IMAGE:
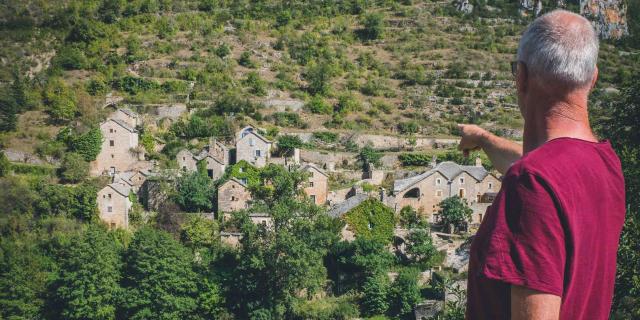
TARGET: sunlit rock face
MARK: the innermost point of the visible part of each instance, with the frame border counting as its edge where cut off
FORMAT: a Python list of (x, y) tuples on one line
[(608, 17)]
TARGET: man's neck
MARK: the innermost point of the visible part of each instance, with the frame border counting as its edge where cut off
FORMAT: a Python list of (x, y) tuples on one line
[(560, 119)]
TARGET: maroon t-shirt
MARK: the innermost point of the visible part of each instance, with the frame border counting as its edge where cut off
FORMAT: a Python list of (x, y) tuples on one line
[(553, 227)]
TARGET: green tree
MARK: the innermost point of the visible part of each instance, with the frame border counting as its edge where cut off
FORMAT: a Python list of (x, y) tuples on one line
[(277, 262), (89, 277), (620, 124), (373, 26), (256, 84), (66, 201), (198, 232), (60, 101), (375, 300), (74, 168), (405, 293), (369, 156), (420, 247), (409, 218), (454, 211), (87, 144), (5, 165), (318, 105), (8, 114), (195, 192), (158, 279), (287, 143), (318, 76), (24, 277)]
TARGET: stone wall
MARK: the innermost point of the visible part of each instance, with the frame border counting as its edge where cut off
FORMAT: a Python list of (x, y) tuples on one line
[(233, 196)]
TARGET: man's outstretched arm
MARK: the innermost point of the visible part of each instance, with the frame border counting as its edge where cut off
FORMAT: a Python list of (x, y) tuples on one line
[(501, 152), (527, 304)]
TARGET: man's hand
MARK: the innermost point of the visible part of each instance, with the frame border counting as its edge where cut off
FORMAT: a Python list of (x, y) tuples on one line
[(501, 152), (472, 138)]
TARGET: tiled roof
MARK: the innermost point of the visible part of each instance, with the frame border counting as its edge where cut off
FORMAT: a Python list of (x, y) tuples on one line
[(124, 125), (120, 188), (343, 207), (450, 170), (313, 166), (128, 112)]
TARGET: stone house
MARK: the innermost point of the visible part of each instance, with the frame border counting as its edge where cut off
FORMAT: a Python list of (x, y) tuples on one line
[(114, 205), (215, 155), (425, 191), (134, 179), (233, 195), (317, 185), (252, 147), (259, 218), (119, 150)]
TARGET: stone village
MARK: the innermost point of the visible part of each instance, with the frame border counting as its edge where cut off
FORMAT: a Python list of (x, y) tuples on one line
[(124, 162)]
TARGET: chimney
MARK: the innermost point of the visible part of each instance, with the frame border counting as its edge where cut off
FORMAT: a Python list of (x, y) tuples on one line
[(382, 195), (478, 162), (434, 161)]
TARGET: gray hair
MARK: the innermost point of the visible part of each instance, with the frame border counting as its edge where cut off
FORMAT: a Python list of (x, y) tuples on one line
[(560, 47)]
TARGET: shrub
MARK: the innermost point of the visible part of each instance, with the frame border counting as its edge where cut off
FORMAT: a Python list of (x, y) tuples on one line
[(60, 101), (74, 168), (223, 50), (373, 26), (288, 119), (5, 165), (245, 60), (256, 85), (325, 136), (410, 127), (318, 105)]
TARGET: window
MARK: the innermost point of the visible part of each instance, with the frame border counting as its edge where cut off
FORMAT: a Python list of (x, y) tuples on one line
[(490, 185), (184, 168), (244, 180), (109, 195), (313, 197), (257, 153), (233, 198), (111, 143), (461, 180), (111, 130), (109, 209), (241, 169), (112, 156), (310, 183), (184, 158), (438, 182), (413, 193), (438, 193), (461, 192)]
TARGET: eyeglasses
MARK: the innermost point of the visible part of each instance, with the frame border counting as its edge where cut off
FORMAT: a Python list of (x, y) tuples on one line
[(514, 67)]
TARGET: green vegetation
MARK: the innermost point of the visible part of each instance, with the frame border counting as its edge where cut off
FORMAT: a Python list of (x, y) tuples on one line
[(372, 220), (454, 211)]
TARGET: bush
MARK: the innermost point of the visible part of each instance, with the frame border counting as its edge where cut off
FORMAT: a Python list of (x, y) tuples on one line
[(222, 50), (405, 293), (5, 165), (256, 85), (319, 106), (288, 119), (415, 159), (74, 168), (410, 127), (373, 26), (325, 136), (70, 58), (245, 60), (60, 101), (195, 192)]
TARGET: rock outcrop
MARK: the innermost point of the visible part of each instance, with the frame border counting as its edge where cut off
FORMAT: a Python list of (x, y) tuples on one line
[(608, 17), (464, 6)]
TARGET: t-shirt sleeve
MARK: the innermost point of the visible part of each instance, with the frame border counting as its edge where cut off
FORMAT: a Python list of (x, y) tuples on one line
[(527, 244)]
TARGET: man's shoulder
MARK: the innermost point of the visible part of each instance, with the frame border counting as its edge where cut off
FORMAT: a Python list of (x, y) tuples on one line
[(561, 158)]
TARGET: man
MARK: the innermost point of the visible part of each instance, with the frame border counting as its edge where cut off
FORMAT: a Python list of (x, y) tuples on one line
[(547, 246)]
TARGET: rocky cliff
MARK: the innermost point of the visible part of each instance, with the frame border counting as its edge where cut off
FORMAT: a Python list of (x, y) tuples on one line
[(608, 16)]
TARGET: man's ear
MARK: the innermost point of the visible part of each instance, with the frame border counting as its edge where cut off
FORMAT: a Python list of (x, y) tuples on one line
[(595, 78), (522, 76)]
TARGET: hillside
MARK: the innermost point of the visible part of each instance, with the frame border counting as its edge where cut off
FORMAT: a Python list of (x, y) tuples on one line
[(393, 68), (271, 159)]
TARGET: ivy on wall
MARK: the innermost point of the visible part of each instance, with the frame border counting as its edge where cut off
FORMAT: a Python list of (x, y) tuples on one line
[(372, 220)]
